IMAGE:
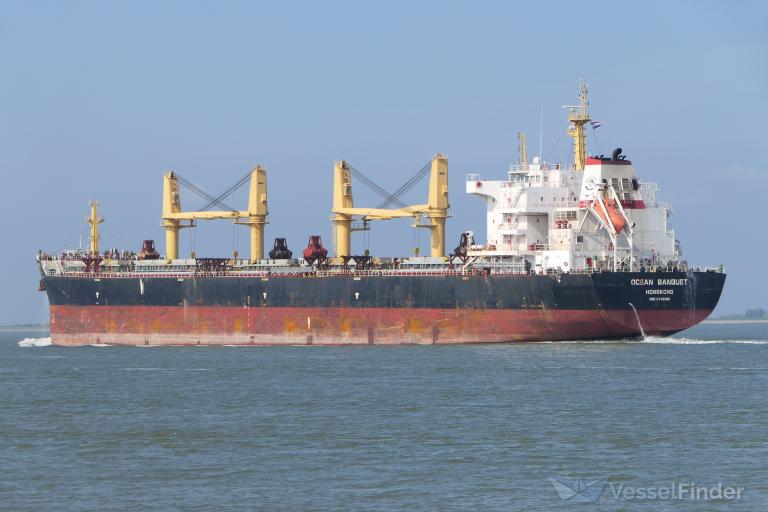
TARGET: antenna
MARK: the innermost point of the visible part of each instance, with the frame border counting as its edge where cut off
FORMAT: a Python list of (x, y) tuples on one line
[(541, 130)]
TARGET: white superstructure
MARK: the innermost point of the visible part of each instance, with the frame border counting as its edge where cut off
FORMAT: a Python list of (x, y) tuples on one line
[(592, 214)]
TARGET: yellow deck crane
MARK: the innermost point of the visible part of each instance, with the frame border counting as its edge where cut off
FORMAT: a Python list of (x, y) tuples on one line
[(255, 216), (436, 208)]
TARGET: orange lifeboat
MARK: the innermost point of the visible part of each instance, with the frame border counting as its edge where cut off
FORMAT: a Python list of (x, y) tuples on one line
[(612, 216)]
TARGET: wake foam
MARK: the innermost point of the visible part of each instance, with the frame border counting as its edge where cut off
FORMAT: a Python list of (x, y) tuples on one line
[(658, 340), (35, 342), (692, 341)]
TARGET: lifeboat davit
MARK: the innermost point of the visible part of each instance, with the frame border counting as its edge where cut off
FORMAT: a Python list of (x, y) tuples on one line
[(612, 216)]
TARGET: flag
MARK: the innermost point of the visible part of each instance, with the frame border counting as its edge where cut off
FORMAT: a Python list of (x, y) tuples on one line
[(595, 124)]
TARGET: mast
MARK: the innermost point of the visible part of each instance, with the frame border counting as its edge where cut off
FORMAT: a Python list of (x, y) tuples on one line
[(94, 221), (171, 205), (438, 204), (578, 116), (342, 198), (257, 212)]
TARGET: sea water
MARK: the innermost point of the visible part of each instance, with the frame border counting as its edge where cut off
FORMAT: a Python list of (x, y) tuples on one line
[(473, 427)]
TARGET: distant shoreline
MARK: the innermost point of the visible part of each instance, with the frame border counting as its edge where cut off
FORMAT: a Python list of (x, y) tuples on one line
[(25, 328)]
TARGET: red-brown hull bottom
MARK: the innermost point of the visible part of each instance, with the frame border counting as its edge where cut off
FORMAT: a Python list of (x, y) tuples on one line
[(161, 325)]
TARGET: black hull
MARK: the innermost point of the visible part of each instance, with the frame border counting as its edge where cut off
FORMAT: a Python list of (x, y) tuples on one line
[(608, 290)]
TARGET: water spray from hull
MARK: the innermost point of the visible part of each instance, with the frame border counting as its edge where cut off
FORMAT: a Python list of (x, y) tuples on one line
[(639, 324)]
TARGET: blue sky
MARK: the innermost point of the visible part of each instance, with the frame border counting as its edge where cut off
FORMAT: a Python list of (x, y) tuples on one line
[(100, 98)]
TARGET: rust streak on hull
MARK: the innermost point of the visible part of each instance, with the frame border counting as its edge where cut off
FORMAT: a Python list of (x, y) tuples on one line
[(190, 325)]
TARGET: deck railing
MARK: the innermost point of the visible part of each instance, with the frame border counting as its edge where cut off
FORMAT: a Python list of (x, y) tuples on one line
[(457, 271)]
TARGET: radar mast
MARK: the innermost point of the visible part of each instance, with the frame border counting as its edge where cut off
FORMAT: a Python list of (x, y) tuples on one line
[(578, 116)]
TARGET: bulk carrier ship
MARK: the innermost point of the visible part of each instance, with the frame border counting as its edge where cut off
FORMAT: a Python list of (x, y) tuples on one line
[(572, 251)]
